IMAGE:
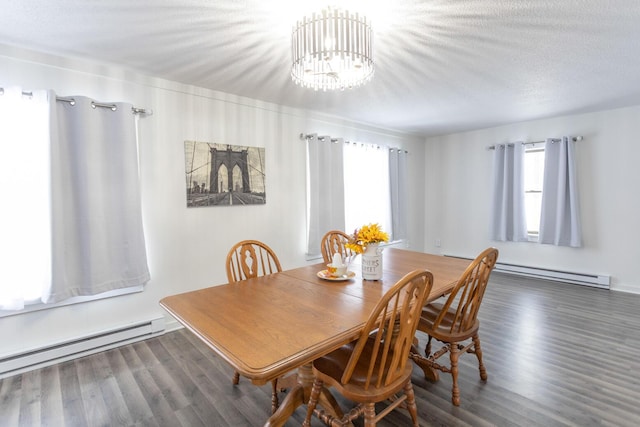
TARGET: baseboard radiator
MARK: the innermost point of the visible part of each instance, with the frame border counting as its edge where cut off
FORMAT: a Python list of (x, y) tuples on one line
[(38, 358), (585, 279)]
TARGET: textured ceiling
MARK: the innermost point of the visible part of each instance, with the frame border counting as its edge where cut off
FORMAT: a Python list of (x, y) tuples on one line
[(441, 66)]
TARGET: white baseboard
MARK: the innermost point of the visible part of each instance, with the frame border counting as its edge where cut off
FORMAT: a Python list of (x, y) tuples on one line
[(538, 272), (172, 325), (13, 364), (626, 288)]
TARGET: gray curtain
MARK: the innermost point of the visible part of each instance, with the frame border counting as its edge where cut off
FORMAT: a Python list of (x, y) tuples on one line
[(98, 239), (560, 216), (398, 177), (326, 191), (508, 220)]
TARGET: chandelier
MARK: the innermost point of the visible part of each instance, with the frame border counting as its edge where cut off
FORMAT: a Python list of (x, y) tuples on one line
[(332, 50)]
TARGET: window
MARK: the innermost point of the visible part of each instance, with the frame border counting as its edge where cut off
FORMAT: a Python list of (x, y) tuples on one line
[(25, 246), (352, 184), (72, 224), (366, 186), (535, 194), (533, 180)]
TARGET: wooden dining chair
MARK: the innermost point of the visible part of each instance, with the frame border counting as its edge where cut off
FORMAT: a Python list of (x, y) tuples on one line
[(251, 258), (248, 259), (455, 323), (334, 242), (376, 366)]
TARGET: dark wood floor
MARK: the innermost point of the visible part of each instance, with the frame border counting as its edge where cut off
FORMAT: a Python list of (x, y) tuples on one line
[(556, 355)]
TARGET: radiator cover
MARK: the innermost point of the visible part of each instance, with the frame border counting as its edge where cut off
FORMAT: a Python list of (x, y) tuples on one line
[(585, 279), (17, 363)]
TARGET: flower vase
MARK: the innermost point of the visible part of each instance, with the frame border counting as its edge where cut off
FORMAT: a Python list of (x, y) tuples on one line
[(372, 262)]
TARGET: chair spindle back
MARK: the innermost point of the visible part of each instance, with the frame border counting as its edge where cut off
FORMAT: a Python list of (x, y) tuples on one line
[(251, 258), (468, 292), (390, 329), (334, 242)]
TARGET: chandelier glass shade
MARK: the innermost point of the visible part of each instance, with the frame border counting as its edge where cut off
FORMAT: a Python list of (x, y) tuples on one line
[(332, 50)]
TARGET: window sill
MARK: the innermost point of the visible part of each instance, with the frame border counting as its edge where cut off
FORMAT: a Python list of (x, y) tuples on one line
[(74, 300)]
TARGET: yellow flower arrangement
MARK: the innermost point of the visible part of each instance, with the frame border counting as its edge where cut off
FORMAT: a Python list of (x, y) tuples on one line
[(367, 234)]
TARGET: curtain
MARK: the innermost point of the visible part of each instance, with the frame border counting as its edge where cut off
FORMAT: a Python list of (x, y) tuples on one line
[(560, 216), (398, 179), (325, 191), (25, 242), (508, 219), (98, 239)]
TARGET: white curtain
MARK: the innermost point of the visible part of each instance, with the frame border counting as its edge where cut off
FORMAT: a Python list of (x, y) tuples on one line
[(508, 219), (366, 185), (398, 177), (25, 231), (560, 216), (98, 240), (325, 190)]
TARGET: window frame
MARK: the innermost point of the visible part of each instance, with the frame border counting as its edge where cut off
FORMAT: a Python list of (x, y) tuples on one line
[(538, 177)]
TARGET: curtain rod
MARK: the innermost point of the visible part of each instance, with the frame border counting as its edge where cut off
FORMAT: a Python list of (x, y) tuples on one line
[(112, 107), (94, 104), (309, 136), (574, 139)]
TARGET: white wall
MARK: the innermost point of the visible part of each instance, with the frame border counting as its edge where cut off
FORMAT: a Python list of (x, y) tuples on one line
[(187, 247), (458, 194)]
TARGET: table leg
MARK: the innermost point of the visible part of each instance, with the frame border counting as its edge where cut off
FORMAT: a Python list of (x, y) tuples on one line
[(288, 382), (299, 395), (430, 373)]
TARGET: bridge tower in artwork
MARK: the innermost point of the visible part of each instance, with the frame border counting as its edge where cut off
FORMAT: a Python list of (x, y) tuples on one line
[(230, 159)]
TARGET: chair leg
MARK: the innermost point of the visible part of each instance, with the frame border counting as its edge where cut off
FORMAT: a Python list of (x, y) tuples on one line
[(411, 402), (478, 352), (274, 396), (427, 348), (313, 401), (369, 415), (454, 354), (236, 378)]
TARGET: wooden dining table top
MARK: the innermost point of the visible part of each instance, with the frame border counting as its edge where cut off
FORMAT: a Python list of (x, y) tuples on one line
[(266, 326)]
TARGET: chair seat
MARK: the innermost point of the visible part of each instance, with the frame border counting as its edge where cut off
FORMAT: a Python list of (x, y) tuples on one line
[(331, 367), (443, 331)]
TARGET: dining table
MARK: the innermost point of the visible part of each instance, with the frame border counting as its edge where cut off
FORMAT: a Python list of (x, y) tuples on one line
[(270, 326)]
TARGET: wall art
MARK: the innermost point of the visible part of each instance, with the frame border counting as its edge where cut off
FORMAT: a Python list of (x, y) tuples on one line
[(223, 174)]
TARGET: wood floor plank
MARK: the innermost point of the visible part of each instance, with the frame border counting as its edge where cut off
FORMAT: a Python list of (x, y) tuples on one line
[(113, 398), (30, 400), (51, 412), (10, 397), (127, 387), (156, 400), (92, 387), (207, 376), (162, 410), (73, 406), (188, 417), (197, 400), (171, 392), (556, 355)]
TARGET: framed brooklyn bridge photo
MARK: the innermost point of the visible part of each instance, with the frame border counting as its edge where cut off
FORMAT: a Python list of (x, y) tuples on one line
[(224, 174)]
